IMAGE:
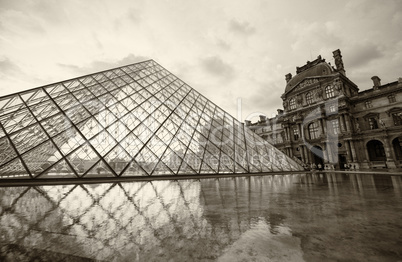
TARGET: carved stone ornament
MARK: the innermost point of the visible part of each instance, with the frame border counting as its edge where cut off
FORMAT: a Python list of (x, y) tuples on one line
[(338, 86), (357, 125), (318, 93), (308, 82), (299, 99)]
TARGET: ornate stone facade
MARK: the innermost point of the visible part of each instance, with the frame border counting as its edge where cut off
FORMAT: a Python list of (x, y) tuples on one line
[(327, 121)]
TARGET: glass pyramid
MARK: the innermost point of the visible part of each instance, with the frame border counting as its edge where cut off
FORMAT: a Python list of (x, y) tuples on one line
[(136, 120)]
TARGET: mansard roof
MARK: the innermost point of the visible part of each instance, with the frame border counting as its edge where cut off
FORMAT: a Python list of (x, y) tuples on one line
[(317, 68)]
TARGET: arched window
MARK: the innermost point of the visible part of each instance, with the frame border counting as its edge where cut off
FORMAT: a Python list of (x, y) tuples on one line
[(329, 91), (376, 150), (313, 130), (309, 98), (391, 98), (397, 144), (292, 103)]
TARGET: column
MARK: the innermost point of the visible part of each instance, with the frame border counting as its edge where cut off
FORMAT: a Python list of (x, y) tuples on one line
[(323, 127), (349, 152), (291, 152), (303, 155), (306, 155), (287, 133), (388, 154), (300, 130), (365, 163), (329, 152), (348, 123), (342, 123)]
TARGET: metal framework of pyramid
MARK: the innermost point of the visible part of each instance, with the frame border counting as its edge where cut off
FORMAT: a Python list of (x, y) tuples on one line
[(135, 120)]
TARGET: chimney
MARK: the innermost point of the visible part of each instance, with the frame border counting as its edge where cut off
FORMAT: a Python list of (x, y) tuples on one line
[(248, 122), (339, 61), (288, 77), (376, 82), (280, 111), (263, 118), (399, 82)]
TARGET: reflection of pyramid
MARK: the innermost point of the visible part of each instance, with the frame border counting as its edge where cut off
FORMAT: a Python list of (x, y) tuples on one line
[(130, 121)]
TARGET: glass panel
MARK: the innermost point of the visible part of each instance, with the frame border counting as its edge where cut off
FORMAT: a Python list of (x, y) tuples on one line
[(40, 158), (118, 159), (17, 120), (13, 169), (6, 151), (136, 120), (59, 170), (83, 159), (100, 169), (13, 105), (28, 138)]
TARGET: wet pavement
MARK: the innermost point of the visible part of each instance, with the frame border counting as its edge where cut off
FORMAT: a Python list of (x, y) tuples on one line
[(302, 217)]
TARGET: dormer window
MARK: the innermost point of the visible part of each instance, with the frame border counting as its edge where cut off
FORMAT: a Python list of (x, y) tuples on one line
[(391, 98), (332, 108), (309, 98), (329, 91), (292, 103), (368, 104)]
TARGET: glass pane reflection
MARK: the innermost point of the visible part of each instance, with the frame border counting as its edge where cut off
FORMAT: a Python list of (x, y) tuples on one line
[(290, 217)]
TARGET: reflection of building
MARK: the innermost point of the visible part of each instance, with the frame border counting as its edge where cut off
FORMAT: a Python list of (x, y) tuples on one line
[(325, 113)]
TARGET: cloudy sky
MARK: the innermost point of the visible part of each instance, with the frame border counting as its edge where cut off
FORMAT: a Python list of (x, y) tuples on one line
[(234, 52)]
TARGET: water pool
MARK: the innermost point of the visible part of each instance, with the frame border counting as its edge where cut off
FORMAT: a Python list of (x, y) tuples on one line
[(300, 217)]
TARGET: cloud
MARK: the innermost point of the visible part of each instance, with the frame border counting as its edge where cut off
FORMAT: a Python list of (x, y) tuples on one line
[(266, 98), (223, 44), (315, 36), (361, 55), (134, 15), (215, 66), (8, 67), (242, 28), (97, 66)]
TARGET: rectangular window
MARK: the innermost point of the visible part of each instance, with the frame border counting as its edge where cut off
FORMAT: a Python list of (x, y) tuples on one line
[(368, 104), (373, 123), (292, 103), (329, 91), (335, 126), (391, 98), (296, 133), (313, 130), (309, 98)]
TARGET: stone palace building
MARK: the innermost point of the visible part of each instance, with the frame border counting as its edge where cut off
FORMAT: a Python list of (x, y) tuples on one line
[(327, 121)]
